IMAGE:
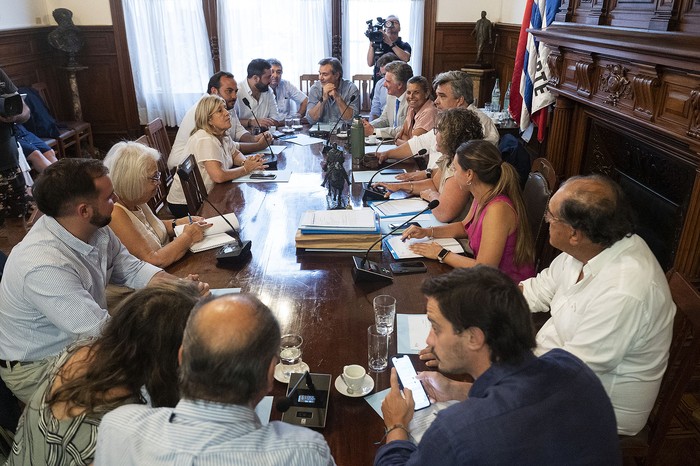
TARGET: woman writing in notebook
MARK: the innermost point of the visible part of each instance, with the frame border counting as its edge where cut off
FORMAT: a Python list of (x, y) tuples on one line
[(496, 225), (133, 169), (454, 127)]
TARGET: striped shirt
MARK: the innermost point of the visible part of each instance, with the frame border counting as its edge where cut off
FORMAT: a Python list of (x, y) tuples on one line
[(204, 433), (53, 289)]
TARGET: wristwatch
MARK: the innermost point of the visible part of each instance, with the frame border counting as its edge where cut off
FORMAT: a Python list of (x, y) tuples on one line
[(429, 172), (442, 254), (174, 223)]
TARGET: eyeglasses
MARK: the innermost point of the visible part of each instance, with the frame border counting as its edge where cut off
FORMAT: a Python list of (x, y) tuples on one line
[(435, 130), (155, 178), (549, 217)]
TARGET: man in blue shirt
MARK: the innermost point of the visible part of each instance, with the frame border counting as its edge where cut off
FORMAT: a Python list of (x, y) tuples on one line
[(521, 409), (227, 364), (332, 96)]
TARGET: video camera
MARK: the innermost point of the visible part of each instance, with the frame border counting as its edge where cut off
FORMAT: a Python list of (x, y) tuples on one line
[(10, 103), (374, 32)]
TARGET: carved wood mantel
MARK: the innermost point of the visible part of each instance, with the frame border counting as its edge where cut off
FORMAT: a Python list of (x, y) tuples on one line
[(628, 104)]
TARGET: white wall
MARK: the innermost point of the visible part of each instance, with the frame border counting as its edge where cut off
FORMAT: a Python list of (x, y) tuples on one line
[(498, 11), (17, 14)]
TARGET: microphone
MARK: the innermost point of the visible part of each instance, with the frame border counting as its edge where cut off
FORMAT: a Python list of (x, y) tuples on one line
[(285, 403), (271, 162), (228, 253), (366, 270), (370, 193)]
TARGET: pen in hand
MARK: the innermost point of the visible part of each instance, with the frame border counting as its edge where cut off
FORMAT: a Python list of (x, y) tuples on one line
[(190, 218)]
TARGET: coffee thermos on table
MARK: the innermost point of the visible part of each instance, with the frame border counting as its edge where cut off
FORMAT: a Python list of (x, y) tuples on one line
[(357, 140)]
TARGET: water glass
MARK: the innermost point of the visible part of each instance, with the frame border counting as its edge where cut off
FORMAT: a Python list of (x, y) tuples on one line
[(290, 353), (377, 349), (288, 123), (385, 313), (296, 123), (487, 107)]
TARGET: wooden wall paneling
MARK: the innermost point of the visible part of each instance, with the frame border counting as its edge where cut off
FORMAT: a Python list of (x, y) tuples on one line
[(454, 46), (22, 50), (429, 26), (589, 11), (211, 19), (639, 13), (688, 16)]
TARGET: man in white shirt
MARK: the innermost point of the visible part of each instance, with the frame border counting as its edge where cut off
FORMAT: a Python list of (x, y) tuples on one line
[(227, 365), (610, 302), (290, 100), (256, 90), (452, 89), (397, 75), (224, 85)]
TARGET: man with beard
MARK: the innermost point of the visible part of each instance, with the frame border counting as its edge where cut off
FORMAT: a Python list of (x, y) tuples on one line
[(331, 95), (222, 84), (53, 289), (256, 89)]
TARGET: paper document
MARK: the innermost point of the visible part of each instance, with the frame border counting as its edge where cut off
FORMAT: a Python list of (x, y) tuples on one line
[(214, 236), (398, 207), (263, 410), (426, 220), (365, 176), (341, 220), (399, 249), (276, 149), (304, 140), (411, 332), (222, 291), (280, 177), (378, 148)]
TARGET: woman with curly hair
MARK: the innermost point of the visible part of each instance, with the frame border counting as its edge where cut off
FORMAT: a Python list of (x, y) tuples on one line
[(454, 127), (496, 225), (134, 361)]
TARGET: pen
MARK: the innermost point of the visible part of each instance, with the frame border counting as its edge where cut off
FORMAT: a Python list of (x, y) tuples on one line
[(189, 217)]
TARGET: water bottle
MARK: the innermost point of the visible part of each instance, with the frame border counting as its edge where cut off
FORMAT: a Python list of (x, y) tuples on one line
[(357, 140), (506, 99), (496, 97)]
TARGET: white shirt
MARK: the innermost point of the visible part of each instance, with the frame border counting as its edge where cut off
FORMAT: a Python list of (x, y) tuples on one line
[(428, 141), (178, 154), (618, 319), (205, 147), (286, 94), (388, 118), (265, 107)]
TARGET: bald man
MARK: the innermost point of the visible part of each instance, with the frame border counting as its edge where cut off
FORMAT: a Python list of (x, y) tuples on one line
[(227, 364)]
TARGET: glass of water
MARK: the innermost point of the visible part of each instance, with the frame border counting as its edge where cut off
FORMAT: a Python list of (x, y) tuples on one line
[(384, 313), (290, 353), (377, 349)]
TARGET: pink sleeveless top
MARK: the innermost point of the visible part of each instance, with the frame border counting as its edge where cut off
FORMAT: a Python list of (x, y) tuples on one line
[(507, 264)]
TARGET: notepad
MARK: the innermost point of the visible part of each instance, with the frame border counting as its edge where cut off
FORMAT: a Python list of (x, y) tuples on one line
[(214, 236), (399, 249), (398, 207)]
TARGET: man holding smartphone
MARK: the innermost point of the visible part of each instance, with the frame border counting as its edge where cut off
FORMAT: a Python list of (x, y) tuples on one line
[(521, 409)]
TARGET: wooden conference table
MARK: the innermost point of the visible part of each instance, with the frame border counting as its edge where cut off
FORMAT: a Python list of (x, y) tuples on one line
[(312, 294)]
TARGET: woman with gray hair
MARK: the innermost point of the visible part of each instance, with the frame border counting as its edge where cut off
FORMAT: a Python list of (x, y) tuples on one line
[(133, 169), (217, 157)]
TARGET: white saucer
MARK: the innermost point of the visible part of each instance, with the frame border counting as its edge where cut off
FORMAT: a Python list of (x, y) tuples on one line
[(279, 374), (287, 130), (341, 135), (367, 386)]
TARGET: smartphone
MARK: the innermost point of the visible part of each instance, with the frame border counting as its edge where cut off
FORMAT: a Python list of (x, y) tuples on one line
[(393, 171), (262, 176), (407, 378), (399, 268)]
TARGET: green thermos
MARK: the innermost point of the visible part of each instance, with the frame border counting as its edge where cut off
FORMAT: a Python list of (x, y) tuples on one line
[(357, 140)]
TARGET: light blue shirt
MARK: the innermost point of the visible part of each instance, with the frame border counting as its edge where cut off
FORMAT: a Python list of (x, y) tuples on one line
[(53, 291), (330, 112), (379, 99), (286, 93), (204, 433)]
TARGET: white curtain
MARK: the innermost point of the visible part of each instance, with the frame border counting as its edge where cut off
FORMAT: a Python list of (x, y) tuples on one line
[(296, 32), (355, 15), (170, 57)]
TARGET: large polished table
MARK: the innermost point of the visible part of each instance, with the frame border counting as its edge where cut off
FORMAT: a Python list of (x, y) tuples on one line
[(312, 294)]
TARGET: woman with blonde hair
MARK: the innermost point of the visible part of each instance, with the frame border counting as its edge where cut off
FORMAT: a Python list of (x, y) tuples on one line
[(496, 225), (133, 169), (213, 148)]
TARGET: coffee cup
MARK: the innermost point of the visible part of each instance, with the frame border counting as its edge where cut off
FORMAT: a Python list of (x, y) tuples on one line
[(354, 376), (371, 140)]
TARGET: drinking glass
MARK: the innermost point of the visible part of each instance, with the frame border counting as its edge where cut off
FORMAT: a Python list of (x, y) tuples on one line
[(377, 349), (384, 313), (290, 353), (288, 122)]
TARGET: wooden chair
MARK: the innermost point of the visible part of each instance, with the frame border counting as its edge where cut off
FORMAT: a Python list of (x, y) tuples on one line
[(364, 83), (158, 139), (306, 81), (158, 200), (683, 358), (82, 129), (192, 184), (539, 187)]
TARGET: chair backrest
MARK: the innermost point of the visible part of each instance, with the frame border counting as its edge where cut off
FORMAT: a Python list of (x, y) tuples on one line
[(364, 83), (538, 189), (306, 81), (43, 91), (683, 359), (158, 200), (158, 137), (143, 140), (192, 184)]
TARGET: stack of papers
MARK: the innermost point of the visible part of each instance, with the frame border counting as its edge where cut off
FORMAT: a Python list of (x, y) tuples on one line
[(338, 230), (399, 249), (214, 236), (398, 207)]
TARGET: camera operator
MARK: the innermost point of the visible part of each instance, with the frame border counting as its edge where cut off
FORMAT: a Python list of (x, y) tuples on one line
[(391, 43), (13, 198)]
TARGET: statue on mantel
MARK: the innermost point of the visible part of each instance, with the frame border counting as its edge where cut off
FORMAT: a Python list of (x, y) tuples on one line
[(66, 37), (483, 33)]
